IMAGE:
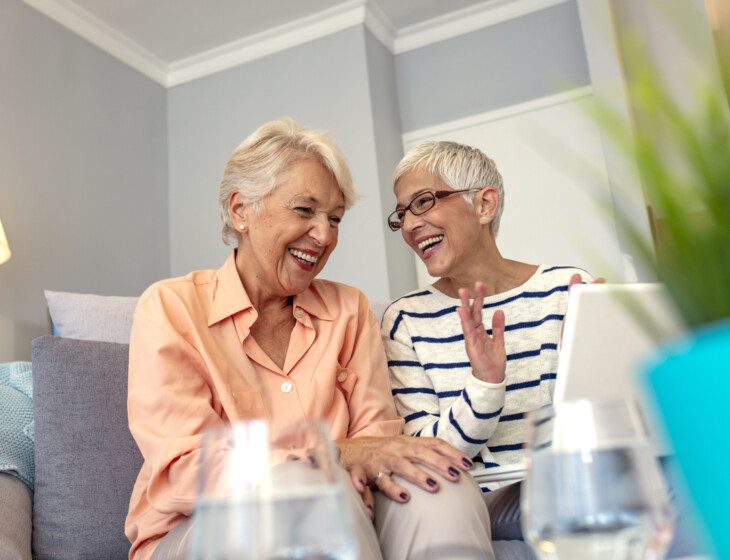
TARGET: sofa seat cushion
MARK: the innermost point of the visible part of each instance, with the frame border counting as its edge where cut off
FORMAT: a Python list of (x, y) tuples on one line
[(86, 461)]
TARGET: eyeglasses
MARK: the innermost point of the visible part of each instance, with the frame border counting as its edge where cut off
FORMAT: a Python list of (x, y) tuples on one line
[(420, 205)]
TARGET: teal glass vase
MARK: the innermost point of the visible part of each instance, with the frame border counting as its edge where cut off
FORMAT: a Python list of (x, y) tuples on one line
[(690, 381)]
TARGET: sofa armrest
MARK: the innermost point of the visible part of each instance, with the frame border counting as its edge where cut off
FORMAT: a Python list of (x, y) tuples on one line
[(16, 518), (86, 461)]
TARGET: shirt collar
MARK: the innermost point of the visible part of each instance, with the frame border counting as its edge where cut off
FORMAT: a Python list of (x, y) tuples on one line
[(312, 302), (230, 296)]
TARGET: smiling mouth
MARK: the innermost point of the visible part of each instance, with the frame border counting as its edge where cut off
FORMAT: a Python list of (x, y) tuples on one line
[(304, 258), (427, 244)]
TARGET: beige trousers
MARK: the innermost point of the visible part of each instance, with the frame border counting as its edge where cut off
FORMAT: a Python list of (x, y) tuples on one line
[(451, 524)]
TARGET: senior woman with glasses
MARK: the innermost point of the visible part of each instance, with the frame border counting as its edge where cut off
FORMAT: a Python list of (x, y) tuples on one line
[(261, 337), (452, 377)]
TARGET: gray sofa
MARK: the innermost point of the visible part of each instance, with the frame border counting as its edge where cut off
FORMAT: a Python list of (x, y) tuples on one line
[(85, 458)]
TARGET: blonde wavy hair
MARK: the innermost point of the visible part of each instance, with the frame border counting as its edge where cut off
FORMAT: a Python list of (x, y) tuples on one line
[(255, 165)]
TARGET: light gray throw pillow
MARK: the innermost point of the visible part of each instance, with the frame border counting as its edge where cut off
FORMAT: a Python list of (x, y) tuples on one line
[(91, 317), (86, 461)]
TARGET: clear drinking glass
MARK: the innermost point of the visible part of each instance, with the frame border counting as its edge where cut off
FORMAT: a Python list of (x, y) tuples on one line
[(594, 490), (269, 492)]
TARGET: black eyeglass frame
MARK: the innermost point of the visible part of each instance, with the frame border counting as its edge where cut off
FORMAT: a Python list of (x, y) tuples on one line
[(436, 195)]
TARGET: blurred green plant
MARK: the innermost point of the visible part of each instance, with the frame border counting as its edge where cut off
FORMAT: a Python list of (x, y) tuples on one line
[(683, 160)]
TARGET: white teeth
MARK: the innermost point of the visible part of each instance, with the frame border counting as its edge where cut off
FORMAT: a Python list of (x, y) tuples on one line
[(304, 256), (430, 241)]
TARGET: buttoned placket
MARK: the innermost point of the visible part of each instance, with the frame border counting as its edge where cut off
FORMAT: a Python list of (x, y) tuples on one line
[(302, 338)]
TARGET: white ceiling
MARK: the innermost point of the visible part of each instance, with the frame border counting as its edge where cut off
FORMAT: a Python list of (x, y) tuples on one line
[(176, 29), (175, 41)]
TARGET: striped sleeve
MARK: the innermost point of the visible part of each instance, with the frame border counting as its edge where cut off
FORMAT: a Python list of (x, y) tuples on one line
[(469, 420)]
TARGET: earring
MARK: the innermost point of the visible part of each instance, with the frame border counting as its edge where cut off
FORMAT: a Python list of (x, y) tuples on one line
[(242, 227), (483, 220)]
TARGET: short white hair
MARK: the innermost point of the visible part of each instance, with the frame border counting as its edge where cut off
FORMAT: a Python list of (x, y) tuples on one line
[(459, 166), (254, 167)]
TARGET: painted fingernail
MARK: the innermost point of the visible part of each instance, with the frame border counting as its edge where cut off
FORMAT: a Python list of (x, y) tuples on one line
[(467, 463), (403, 496), (453, 471), (431, 482)]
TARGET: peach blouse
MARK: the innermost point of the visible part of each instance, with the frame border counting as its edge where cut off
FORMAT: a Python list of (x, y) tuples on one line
[(192, 364)]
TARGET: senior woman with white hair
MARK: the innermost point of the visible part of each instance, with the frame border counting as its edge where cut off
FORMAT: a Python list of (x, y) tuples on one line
[(452, 377), (260, 337)]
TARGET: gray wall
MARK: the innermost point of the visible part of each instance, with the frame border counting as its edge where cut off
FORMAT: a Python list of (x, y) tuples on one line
[(107, 182), (324, 84), (678, 40), (83, 173), (525, 58), (349, 84), (389, 150)]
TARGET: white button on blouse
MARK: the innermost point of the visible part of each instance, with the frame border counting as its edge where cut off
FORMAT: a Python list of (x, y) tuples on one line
[(286, 387)]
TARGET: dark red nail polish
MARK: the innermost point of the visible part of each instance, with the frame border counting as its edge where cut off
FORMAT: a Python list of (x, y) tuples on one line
[(403, 496), (431, 482), (453, 471), (467, 463)]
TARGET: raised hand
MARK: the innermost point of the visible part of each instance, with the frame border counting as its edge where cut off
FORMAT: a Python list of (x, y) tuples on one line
[(382, 458), (487, 354)]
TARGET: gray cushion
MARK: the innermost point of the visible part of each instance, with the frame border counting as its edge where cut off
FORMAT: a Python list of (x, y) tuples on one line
[(85, 458), (91, 317), (513, 550), (15, 518)]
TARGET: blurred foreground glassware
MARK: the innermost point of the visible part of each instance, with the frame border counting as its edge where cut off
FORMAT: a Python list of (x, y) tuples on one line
[(594, 490), (271, 492)]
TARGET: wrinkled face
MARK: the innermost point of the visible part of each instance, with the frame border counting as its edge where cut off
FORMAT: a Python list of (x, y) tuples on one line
[(447, 235), (288, 242)]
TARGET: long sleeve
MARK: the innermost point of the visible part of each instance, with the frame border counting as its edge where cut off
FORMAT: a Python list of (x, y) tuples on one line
[(433, 385), (365, 380), (169, 407), (466, 423)]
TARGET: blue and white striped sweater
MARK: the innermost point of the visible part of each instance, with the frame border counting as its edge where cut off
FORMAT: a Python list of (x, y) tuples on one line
[(431, 376)]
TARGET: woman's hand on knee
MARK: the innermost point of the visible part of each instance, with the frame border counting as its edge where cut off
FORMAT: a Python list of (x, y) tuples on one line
[(384, 457), (439, 456), (358, 477)]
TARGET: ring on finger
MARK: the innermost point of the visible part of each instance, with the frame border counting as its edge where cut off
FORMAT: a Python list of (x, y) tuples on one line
[(378, 475)]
